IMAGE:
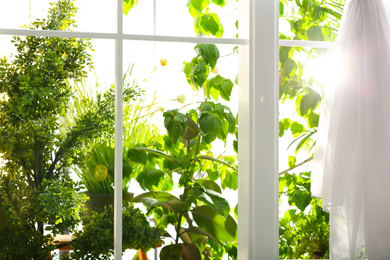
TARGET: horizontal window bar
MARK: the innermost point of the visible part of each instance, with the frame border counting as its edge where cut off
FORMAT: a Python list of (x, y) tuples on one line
[(136, 37), (312, 44)]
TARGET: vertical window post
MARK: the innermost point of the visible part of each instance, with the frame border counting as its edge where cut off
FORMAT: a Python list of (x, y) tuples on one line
[(258, 131), (118, 132)]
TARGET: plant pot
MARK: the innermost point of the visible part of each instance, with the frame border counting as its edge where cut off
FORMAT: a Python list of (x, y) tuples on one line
[(97, 202)]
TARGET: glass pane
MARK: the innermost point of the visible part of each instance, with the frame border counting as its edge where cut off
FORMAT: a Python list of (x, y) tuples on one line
[(56, 104), (304, 226), (91, 16), (310, 20), (170, 129), (173, 18)]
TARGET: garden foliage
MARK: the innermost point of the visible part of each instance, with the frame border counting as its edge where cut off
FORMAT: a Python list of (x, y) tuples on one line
[(37, 199), (48, 125), (304, 229)]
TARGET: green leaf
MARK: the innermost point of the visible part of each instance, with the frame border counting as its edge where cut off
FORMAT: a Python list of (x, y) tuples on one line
[(171, 252), (207, 184), (291, 161), (190, 252), (174, 206), (192, 129), (216, 160), (223, 229), (313, 120), (290, 67), (299, 198), (281, 8), (229, 179), (200, 231), (199, 5), (151, 179), (220, 3), (209, 23), (297, 129), (206, 107), (158, 195), (219, 203), (138, 156), (128, 5), (200, 73), (206, 122), (303, 141), (213, 175), (315, 34), (226, 89), (308, 102), (159, 153), (209, 52)]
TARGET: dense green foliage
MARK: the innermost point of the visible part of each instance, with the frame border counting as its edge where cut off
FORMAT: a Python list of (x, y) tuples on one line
[(49, 125), (38, 144), (304, 231), (96, 239), (97, 170), (200, 215)]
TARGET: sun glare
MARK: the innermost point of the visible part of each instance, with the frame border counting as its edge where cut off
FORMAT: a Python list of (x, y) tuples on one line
[(327, 70)]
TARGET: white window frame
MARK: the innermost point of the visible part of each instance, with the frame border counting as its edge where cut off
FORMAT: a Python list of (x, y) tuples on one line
[(258, 224)]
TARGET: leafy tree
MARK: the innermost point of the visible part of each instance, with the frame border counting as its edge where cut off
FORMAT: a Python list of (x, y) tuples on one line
[(36, 86)]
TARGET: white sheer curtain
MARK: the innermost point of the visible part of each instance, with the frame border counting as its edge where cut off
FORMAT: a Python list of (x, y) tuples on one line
[(351, 168)]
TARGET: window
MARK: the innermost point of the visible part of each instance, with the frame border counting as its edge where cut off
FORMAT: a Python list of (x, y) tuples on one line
[(112, 39), (258, 94)]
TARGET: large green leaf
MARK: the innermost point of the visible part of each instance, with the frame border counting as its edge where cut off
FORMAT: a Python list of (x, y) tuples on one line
[(173, 205), (180, 251), (313, 119), (206, 157), (219, 85), (199, 73), (297, 129), (223, 229), (208, 23), (200, 231), (219, 204), (138, 156), (199, 5), (220, 3), (210, 185), (151, 179), (190, 252), (308, 102), (229, 179), (159, 153), (206, 122), (192, 129), (299, 198), (209, 52), (171, 252), (158, 195), (175, 123), (315, 34)]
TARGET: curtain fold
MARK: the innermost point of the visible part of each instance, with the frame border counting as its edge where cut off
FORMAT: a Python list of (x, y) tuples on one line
[(351, 167)]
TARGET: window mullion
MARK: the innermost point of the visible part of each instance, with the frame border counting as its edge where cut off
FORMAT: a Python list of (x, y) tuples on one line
[(258, 132), (118, 133)]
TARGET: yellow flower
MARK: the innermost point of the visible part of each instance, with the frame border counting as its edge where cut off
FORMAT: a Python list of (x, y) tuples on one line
[(163, 62)]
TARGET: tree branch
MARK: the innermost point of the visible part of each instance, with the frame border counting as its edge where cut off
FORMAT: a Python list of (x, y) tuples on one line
[(296, 166)]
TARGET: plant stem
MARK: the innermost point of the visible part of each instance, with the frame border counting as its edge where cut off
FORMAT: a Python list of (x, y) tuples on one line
[(296, 165)]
